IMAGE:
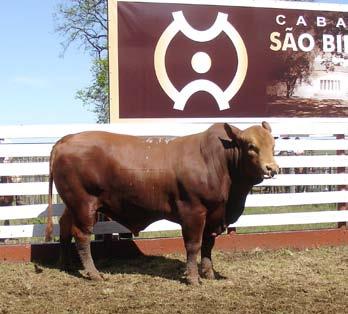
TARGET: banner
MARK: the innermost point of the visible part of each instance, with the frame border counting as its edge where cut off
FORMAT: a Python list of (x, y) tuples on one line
[(180, 60)]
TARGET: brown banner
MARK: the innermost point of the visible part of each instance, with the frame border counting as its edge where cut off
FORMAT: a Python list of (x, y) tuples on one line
[(182, 60)]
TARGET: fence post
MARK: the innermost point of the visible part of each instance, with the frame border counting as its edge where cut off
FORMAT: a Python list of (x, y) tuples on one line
[(341, 206)]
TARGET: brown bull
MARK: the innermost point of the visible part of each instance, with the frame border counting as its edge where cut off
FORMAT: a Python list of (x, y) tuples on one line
[(200, 181)]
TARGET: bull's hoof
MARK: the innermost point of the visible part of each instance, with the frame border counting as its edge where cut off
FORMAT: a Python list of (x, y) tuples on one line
[(95, 276), (193, 281), (208, 274)]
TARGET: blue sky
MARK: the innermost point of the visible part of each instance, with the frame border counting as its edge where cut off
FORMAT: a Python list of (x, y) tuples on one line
[(37, 86)]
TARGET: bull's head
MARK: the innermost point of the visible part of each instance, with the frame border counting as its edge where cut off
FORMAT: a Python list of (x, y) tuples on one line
[(256, 148)]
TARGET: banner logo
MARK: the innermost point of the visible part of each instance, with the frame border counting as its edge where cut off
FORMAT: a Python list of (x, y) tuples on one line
[(201, 61)]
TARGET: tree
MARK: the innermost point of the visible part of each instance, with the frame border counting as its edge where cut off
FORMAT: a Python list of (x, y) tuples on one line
[(96, 95), (296, 68), (85, 22)]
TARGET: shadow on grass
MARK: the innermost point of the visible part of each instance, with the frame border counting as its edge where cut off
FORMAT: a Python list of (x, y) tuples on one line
[(154, 266), (116, 261)]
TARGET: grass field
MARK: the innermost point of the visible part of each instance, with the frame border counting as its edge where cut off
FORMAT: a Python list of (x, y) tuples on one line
[(312, 281)]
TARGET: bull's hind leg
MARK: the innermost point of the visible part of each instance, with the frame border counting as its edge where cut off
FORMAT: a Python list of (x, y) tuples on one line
[(83, 246), (65, 224), (82, 229), (78, 221)]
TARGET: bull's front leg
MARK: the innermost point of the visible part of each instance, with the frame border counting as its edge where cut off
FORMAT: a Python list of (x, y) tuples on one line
[(206, 260), (192, 233)]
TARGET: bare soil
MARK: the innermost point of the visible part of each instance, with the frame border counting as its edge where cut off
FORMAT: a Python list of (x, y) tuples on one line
[(311, 281)]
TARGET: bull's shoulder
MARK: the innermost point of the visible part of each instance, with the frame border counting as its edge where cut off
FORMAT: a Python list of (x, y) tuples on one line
[(212, 139), (198, 140)]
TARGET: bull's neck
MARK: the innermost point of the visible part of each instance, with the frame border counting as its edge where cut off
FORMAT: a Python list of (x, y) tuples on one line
[(233, 156), (237, 169), (218, 175)]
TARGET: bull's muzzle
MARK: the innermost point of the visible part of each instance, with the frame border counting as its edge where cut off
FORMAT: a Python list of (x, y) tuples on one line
[(271, 170)]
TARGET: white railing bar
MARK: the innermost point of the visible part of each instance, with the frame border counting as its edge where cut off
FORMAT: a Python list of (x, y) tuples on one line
[(291, 145), (25, 150), (20, 231), (24, 169), (306, 179), (253, 200), (301, 218), (26, 188), (291, 199), (320, 161), (38, 230), (305, 145), (172, 127), (41, 188), (29, 211)]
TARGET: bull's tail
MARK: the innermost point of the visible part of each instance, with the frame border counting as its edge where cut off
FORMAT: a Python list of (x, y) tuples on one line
[(49, 225)]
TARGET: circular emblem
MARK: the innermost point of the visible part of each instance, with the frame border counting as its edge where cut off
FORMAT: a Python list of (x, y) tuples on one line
[(201, 61)]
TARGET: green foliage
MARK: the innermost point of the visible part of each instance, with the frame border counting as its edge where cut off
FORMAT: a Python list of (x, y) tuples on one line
[(85, 22), (96, 95)]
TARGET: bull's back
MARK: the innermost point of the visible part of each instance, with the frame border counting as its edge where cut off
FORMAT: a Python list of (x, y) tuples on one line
[(96, 146), (124, 151), (105, 153)]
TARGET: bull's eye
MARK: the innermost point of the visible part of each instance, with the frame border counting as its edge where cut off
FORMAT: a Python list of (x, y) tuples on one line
[(253, 148)]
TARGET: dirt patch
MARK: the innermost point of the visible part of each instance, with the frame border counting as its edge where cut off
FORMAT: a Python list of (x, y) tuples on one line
[(312, 281)]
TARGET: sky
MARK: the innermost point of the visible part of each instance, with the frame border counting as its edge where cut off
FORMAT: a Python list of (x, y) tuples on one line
[(37, 85)]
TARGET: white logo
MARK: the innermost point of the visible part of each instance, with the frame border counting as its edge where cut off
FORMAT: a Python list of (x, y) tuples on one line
[(200, 61)]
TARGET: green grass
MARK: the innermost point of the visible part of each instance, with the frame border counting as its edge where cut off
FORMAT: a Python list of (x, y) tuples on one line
[(289, 209), (286, 228), (160, 234)]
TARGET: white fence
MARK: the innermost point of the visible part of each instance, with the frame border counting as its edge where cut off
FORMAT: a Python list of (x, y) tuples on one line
[(317, 136)]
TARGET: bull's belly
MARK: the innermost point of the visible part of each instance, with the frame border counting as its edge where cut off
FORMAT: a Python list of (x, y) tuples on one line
[(137, 218)]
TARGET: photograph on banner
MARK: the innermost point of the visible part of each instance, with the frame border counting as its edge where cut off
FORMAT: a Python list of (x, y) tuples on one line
[(179, 60)]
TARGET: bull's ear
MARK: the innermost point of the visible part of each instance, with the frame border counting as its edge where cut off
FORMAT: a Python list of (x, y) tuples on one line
[(266, 126), (232, 133)]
